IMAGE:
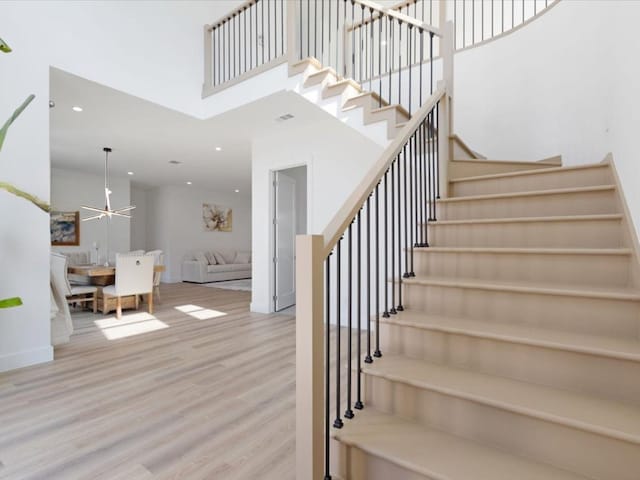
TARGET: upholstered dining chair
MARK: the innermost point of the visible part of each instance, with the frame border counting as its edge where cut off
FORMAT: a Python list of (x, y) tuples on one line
[(158, 259), (73, 293), (134, 276)]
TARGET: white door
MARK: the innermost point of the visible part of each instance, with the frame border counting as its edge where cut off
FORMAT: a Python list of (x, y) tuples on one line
[(285, 237)]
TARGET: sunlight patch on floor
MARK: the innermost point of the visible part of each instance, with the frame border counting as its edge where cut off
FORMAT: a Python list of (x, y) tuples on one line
[(129, 325), (200, 313)]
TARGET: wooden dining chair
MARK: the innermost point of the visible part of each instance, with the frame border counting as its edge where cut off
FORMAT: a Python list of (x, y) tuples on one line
[(134, 276), (73, 293)]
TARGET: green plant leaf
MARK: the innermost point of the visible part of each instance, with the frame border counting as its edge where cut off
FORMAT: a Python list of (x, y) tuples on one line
[(12, 118), (10, 302), (4, 47), (41, 204)]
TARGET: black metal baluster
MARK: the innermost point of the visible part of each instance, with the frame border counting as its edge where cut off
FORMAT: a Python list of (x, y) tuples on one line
[(513, 13), (393, 310), (348, 412), (502, 3), (482, 19), (421, 64), (337, 65), (238, 28), (399, 62), (406, 214), (322, 34), (400, 307), (329, 32), (269, 31), (337, 423), (262, 29), (380, 60), (492, 17), (425, 167), (299, 26), (315, 28), (455, 23), (244, 37), (371, 57), (523, 10), (464, 23), (431, 63), (251, 36), (368, 358), (344, 40), (433, 157), (353, 39), (412, 200), (386, 245), (308, 28), (429, 172), (473, 22), (391, 59), (327, 370), (421, 202), (436, 154), (409, 45), (282, 27), (359, 405), (361, 28), (377, 352)]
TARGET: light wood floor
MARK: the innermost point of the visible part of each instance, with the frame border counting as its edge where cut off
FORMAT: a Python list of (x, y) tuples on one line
[(203, 398)]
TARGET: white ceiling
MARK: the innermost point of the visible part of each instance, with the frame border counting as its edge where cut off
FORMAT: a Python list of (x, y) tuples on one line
[(146, 136)]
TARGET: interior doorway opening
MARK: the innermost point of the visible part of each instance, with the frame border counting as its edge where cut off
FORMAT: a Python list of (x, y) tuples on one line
[(289, 220)]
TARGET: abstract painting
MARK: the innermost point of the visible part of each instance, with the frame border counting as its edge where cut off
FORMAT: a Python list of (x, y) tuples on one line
[(65, 228), (216, 218)]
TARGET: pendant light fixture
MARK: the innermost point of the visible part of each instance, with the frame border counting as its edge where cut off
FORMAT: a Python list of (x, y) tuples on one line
[(107, 211)]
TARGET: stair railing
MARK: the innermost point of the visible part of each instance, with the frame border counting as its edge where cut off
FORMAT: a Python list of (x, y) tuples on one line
[(248, 40), (352, 274)]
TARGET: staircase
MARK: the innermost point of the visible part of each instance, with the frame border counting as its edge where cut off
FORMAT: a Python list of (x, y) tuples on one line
[(347, 100), (517, 355)]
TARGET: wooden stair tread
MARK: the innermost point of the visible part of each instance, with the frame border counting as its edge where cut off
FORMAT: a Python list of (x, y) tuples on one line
[(529, 193), (611, 347), (309, 60), (587, 291), (558, 218), (528, 172), (572, 409), (399, 108), (438, 455), (526, 251)]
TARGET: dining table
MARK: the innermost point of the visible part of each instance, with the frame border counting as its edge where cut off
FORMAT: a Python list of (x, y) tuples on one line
[(101, 276)]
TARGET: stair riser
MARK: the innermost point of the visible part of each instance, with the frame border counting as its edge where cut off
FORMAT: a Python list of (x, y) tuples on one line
[(319, 79), (352, 463), (473, 168), (344, 93), (366, 102), (558, 269), (601, 376), (583, 203), (539, 181), (569, 313), (558, 234), (589, 454)]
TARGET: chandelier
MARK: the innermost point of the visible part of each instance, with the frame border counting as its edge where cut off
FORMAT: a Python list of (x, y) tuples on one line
[(107, 211)]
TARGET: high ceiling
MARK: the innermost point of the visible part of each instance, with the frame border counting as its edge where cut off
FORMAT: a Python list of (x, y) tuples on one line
[(145, 136)]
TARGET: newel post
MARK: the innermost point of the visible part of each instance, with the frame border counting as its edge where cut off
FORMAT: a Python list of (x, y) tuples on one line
[(445, 119), (309, 357), (208, 59)]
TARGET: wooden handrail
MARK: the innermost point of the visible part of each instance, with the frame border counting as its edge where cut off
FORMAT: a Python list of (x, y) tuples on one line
[(390, 12), (343, 217), (233, 12)]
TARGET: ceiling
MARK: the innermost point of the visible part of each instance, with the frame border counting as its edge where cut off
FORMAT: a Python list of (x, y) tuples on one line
[(145, 136)]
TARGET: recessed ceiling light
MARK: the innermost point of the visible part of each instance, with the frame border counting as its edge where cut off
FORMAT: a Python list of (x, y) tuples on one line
[(237, 191), (76, 109), (218, 149), (188, 183), (129, 173)]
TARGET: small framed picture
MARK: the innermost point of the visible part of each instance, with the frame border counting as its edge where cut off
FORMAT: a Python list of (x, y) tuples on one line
[(65, 228)]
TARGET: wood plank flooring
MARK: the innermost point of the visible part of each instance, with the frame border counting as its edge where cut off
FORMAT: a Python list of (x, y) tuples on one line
[(205, 392)]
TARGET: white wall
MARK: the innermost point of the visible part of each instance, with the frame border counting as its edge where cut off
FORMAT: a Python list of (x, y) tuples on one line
[(139, 218), (70, 190), (564, 84), (334, 168), (175, 224)]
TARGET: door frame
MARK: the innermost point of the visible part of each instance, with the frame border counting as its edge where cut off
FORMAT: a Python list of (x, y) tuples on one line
[(272, 211)]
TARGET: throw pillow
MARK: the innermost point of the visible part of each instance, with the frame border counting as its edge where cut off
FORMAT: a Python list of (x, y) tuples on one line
[(243, 257), (219, 258), (200, 257), (211, 259), (229, 256)]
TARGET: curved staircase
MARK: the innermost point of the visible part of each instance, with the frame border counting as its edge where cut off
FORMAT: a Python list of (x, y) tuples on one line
[(518, 353)]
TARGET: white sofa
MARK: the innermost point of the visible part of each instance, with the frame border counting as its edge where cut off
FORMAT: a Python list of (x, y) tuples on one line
[(216, 266)]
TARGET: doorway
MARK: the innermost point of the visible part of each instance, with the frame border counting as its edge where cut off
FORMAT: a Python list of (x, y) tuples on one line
[(289, 220)]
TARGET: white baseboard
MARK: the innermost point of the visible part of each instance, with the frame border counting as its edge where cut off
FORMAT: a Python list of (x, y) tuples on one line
[(26, 358), (256, 307)]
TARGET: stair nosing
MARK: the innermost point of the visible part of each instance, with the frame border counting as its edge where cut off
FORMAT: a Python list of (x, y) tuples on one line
[(527, 172), (369, 369), (558, 218), (530, 193), (520, 287), (520, 338)]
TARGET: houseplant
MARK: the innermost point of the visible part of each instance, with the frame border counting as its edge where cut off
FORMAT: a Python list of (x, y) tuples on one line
[(42, 205)]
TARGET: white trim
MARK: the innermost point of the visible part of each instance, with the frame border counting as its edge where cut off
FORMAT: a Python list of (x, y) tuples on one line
[(26, 358)]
